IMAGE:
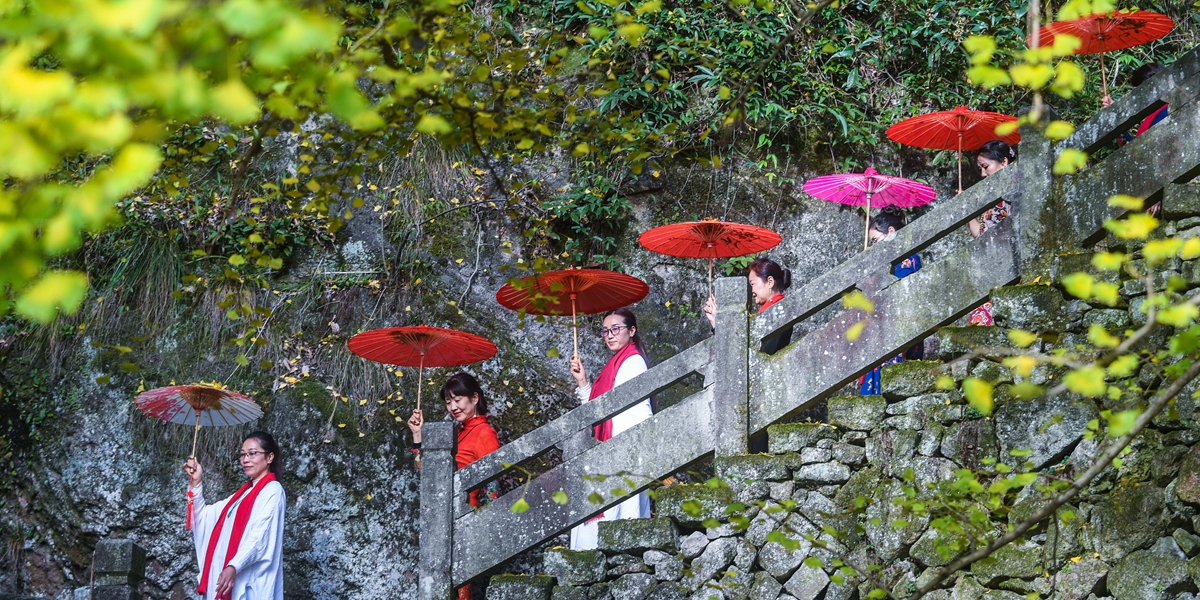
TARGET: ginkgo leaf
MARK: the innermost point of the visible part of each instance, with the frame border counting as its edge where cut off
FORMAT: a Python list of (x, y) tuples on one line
[(979, 394)]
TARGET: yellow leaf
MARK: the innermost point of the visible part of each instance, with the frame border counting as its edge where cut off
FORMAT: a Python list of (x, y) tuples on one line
[(1079, 285), (1022, 339), (632, 33), (1021, 365), (1191, 248), (368, 497), (979, 394), (235, 103), (1071, 161), (1059, 130), (1032, 76), (1076, 559), (433, 125), (56, 291), (1068, 78), (855, 331), (857, 300), (341, 425), (1136, 226), (1100, 337), (1126, 202), (1088, 381)]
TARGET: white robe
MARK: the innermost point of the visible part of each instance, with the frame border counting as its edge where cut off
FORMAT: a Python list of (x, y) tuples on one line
[(585, 536), (259, 559)]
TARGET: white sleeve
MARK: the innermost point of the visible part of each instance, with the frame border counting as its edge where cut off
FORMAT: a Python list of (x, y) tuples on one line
[(632, 367), (584, 393), (204, 518), (266, 516)]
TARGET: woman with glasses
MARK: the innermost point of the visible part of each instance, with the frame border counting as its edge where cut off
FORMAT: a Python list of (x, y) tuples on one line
[(239, 540), (629, 360)]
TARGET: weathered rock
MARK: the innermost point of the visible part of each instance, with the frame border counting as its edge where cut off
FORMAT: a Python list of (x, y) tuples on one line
[(779, 561), (757, 467), (931, 439), (954, 341), (822, 473), (519, 587), (848, 454), (1113, 320), (910, 378), (807, 583), (765, 587), (669, 591), (746, 555), (1076, 581), (572, 567), (693, 544), (1187, 486), (1030, 307), (638, 535), (781, 490), (1012, 560), (925, 550), (736, 583), (857, 412), (635, 586), (1126, 520), (792, 437), (1151, 574), (667, 567), (815, 455), (1049, 427), (715, 558), (1188, 542), (670, 500), (892, 450)]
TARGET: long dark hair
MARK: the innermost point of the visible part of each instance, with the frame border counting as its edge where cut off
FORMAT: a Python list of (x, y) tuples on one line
[(998, 151), (765, 267), (267, 443), (463, 384), (630, 321), (890, 217), (1144, 72)]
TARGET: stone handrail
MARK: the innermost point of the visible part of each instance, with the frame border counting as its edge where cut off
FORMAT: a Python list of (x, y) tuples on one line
[(748, 390)]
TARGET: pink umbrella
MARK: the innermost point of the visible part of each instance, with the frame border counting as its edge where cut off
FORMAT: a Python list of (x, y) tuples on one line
[(863, 189)]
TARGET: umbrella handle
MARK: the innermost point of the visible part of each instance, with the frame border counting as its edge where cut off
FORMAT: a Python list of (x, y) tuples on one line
[(574, 327), (420, 379), (710, 279), (867, 227), (1103, 77), (960, 161), (195, 434)]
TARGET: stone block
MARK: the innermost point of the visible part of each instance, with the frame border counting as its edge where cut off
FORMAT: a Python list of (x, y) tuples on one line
[(637, 535), (693, 544), (822, 473), (669, 591), (1014, 560), (1033, 307), (792, 437), (1080, 262), (119, 562), (1126, 520), (807, 583), (849, 454), (765, 587), (735, 583), (926, 549), (1158, 572), (520, 587), (969, 442), (113, 592), (1181, 200), (780, 561), (670, 501), (954, 341), (1114, 321), (716, 558), (1081, 580), (1187, 485), (635, 586), (857, 412), (746, 555), (1188, 542), (667, 567), (757, 467), (571, 567), (1049, 427), (910, 378), (815, 455)]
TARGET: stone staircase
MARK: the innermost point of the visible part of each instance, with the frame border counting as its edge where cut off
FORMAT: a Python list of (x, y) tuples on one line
[(869, 441)]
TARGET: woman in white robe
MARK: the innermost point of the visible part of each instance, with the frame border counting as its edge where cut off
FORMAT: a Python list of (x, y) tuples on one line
[(250, 522), (628, 361)]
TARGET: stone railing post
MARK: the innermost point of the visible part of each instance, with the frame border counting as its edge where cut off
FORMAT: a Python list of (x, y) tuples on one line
[(118, 567), (1038, 237), (437, 510), (730, 368)]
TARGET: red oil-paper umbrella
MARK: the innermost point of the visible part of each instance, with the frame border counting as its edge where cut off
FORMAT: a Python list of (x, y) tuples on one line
[(421, 346), (572, 291), (709, 239), (198, 405), (959, 129), (870, 189), (1106, 31)]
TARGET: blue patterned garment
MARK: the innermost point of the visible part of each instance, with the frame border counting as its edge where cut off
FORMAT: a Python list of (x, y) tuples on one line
[(869, 384)]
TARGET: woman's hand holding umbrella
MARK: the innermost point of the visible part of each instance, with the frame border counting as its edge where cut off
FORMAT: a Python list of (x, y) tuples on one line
[(578, 372), (414, 424), (194, 470)]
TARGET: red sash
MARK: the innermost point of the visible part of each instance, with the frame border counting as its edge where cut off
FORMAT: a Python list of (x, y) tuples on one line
[(1150, 120), (604, 383), (239, 527)]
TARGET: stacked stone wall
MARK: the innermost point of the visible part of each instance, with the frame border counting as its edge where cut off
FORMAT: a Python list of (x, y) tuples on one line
[(1131, 535)]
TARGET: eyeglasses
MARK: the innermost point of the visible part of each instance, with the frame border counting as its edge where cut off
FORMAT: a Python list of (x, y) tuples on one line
[(237, 458), (614, 330)]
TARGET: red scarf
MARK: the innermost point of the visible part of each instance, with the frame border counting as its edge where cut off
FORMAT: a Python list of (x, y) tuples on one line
[(604, 383), (769, 303), (1149, 121), (239, 527)]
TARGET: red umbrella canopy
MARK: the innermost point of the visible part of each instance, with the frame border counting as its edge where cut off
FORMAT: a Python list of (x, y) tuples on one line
[(592, 290), (180, 403), (421, 345), (885, 190), (1115, 30), (941, 130), (709, 239)]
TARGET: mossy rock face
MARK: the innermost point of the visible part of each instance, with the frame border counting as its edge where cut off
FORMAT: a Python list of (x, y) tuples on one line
[(1187, 485), (861, 413), (755, 467), (1181, 200), (1127, 520), (1029, 307), (1080, 262), (1011, 561), (1160, 572), (1114, 321), (954, 341), (712, 502), (910, 378), (793, 437), (571, 567), (925, 550), (1048, 427), (638, 535), (520, 587)]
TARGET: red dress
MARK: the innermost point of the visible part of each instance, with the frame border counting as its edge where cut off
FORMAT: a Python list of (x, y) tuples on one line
[(476, 440)]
